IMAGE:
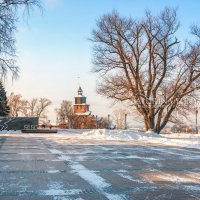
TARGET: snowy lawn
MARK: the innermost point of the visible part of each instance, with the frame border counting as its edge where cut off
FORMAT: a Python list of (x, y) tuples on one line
[(174, 139), (95, 136)]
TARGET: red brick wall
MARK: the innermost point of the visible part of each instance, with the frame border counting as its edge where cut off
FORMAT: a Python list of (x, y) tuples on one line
[(81, 108)]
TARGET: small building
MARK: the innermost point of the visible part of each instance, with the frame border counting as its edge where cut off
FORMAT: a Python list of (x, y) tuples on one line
[(83, 118)]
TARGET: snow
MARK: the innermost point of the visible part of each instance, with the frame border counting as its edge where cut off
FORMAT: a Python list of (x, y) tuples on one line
[(57, 189), (58, 192), (99, 183), (90, 176), (85, 113), (115, 196), (130, 178), (83, 172), (10, 131), (53, 171), (55, 151), (192, 187), (115, 135), (64, 158), (183, 140), (97, 136)]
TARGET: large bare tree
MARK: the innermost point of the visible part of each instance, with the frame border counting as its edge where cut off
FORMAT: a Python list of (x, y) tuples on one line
[(36, 107), (41, 106), (66, 112), (8, 19), (31, 107), (144, 63)]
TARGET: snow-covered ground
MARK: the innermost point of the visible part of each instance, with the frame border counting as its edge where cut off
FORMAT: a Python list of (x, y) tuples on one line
[(126, 136), (174, 139), (99, 164)]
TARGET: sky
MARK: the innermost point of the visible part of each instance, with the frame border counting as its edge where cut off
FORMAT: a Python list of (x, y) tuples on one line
[(53, 47)]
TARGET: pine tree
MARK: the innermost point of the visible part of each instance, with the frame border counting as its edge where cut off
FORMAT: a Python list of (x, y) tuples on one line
[(4, 108)]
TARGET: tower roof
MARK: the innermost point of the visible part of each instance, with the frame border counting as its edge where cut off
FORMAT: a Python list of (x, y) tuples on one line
[(80, 91)]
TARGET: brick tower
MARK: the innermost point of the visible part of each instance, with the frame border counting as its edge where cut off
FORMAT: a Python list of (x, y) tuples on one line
[(80, 106)]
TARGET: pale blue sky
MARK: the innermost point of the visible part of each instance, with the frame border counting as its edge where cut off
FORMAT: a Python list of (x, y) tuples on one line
[(53, 47)]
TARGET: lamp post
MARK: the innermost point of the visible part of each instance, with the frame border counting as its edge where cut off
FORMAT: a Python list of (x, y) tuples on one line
[(57, 122), (108, 121), (125, 121), (96, 122), (63, 120), (196, 121)]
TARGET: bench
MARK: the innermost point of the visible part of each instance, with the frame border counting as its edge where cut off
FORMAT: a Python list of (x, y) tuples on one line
[(39, 131)]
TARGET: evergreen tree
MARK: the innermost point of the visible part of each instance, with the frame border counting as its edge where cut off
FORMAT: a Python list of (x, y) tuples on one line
[(4, 108)]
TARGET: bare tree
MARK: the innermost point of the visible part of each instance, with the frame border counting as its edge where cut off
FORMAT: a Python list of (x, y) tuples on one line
[(141, 62), (16, 104), (118, 117), (41, 106), (8, 18), (195, 30), (31, 107), (66, 112)]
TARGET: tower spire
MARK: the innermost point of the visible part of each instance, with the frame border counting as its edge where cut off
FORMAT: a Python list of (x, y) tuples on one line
[(80, 91)]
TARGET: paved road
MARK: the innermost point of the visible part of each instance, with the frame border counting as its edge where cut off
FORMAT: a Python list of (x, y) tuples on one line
[(40, 168)]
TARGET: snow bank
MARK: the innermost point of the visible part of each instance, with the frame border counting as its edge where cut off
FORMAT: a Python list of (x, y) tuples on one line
[(129, 136), (184, 140), (104, 134)]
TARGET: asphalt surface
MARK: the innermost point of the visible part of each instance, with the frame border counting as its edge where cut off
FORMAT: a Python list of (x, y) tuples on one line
[(41, 168)]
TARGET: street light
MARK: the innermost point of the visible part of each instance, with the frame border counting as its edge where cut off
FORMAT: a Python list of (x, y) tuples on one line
[(196, 121), (125, 121), (108, 121), (96, 122)]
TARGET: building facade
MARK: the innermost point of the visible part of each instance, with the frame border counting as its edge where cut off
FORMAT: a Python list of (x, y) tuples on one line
[(80, 106)]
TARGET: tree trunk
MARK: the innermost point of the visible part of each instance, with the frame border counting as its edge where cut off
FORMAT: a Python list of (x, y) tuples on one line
[(150, 125)]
